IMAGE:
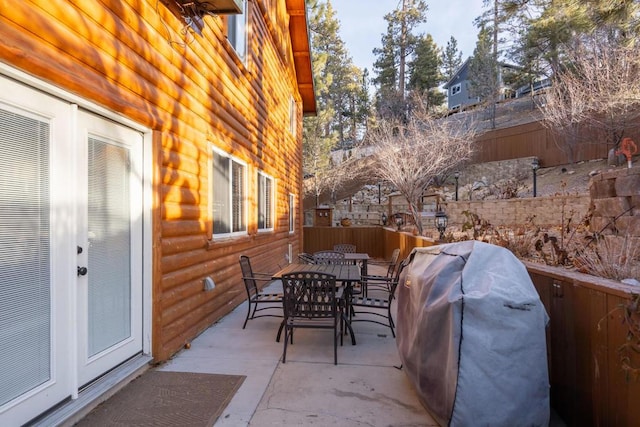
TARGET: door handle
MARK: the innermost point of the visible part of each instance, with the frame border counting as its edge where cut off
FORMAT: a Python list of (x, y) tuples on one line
[(82, 271)]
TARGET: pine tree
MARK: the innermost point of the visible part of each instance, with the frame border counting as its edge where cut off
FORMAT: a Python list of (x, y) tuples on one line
[(451, 59), (424, 72), (340, 109), (546, 31), (398, 45), (483, 72)]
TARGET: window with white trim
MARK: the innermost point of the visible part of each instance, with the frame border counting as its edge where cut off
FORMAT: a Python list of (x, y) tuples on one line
[(456, 89), (292, 214), (237, 31), (265, 202), (228, 199)]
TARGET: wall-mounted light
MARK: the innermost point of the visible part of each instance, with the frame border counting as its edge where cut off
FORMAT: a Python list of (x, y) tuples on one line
[(399, 222), (209, 284), (441, 223)]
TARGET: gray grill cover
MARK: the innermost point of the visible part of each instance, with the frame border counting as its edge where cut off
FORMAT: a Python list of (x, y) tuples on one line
[(471, 336)]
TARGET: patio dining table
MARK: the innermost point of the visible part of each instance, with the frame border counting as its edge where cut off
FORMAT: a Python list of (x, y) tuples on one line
[(359, 257)]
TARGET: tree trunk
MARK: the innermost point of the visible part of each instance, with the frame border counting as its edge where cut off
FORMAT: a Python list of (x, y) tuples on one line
[(403, 49), (417, 218)]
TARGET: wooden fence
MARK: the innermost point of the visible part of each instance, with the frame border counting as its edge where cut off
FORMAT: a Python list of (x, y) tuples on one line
[(589, 386), (531, 139), (378, 242)]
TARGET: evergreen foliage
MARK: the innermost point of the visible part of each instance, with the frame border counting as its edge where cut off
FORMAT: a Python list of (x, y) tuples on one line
[(451, 59)]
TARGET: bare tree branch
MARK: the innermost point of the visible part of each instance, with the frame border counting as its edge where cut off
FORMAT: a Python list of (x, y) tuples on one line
[(410, 155), (599, 90)]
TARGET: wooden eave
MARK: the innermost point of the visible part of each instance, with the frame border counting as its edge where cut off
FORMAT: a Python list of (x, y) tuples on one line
[(301, 48)]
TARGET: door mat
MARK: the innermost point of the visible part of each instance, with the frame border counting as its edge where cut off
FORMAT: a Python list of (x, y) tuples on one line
[(161, 398)]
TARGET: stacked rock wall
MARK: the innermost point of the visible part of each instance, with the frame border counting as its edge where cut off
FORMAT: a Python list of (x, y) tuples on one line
[(616, 206)]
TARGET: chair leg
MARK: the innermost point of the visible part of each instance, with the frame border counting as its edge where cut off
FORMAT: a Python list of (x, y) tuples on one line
[(286, 340), (335, 344), (280, 331), (248, 313), (353, 337), (392, 324)]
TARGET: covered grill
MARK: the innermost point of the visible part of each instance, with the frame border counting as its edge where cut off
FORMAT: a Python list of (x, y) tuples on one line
[(471, 336)]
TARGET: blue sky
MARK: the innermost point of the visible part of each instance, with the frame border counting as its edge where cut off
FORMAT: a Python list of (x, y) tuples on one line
[(362, 25)]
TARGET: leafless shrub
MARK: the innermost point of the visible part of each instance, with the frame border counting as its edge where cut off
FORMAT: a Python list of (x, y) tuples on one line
[(519, 240), (599, 89), (607, 258), (411, 154)]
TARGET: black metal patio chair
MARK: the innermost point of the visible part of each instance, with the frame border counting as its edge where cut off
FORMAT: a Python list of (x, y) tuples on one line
[(381, 281), (330, 257), (312, 300), (268, 301), (370, 309), (345, 248), (306, 258)]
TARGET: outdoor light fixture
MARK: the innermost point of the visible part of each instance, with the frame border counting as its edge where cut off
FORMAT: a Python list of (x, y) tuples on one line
[(456, 175), (398, 222), (384, 218), (441, 223), (534, 166)]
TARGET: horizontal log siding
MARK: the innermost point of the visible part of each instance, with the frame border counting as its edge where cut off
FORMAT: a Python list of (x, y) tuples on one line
[(130, 57)]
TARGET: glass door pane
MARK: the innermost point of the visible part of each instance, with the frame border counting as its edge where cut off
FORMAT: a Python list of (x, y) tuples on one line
[(109, 236), (25, 276)]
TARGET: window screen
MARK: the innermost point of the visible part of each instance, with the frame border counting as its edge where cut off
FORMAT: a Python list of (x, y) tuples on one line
[(265, 202), (236, 31), (228, 201)]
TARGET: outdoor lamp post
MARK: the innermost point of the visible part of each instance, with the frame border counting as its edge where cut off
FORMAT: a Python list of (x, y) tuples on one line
[(441, 223), (534, 166), (384, 218), (456, 175)]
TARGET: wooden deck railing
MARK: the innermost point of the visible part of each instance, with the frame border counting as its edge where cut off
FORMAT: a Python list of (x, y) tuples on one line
[(589, 384)]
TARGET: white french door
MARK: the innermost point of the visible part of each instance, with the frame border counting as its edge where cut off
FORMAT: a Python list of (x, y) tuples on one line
[(36, 228), (71, 221), (109, 230)]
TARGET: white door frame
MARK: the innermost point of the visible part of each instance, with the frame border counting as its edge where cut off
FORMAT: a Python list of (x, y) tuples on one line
[(129, 140), (147, 204)]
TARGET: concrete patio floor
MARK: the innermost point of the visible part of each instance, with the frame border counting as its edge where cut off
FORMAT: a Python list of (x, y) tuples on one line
[(365, 388)]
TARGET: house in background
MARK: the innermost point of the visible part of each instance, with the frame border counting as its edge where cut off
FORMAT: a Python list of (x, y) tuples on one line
[(459, 87), (144, 147)]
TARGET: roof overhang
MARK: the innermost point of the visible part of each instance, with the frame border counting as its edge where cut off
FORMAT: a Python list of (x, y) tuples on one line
[(301, 47)]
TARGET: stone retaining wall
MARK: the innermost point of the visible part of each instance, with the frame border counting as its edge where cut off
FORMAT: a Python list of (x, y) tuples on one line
[(496, 171), (548, 211), (616, 199)]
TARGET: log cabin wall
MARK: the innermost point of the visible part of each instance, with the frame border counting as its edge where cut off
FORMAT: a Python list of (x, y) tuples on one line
[(138, 59)]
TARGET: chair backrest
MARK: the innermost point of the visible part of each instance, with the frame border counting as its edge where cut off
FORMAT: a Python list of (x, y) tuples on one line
[(309, 294), (396, 278), (393, 262), (328, 257), (247, 276), (345, 248), (306, 258)]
